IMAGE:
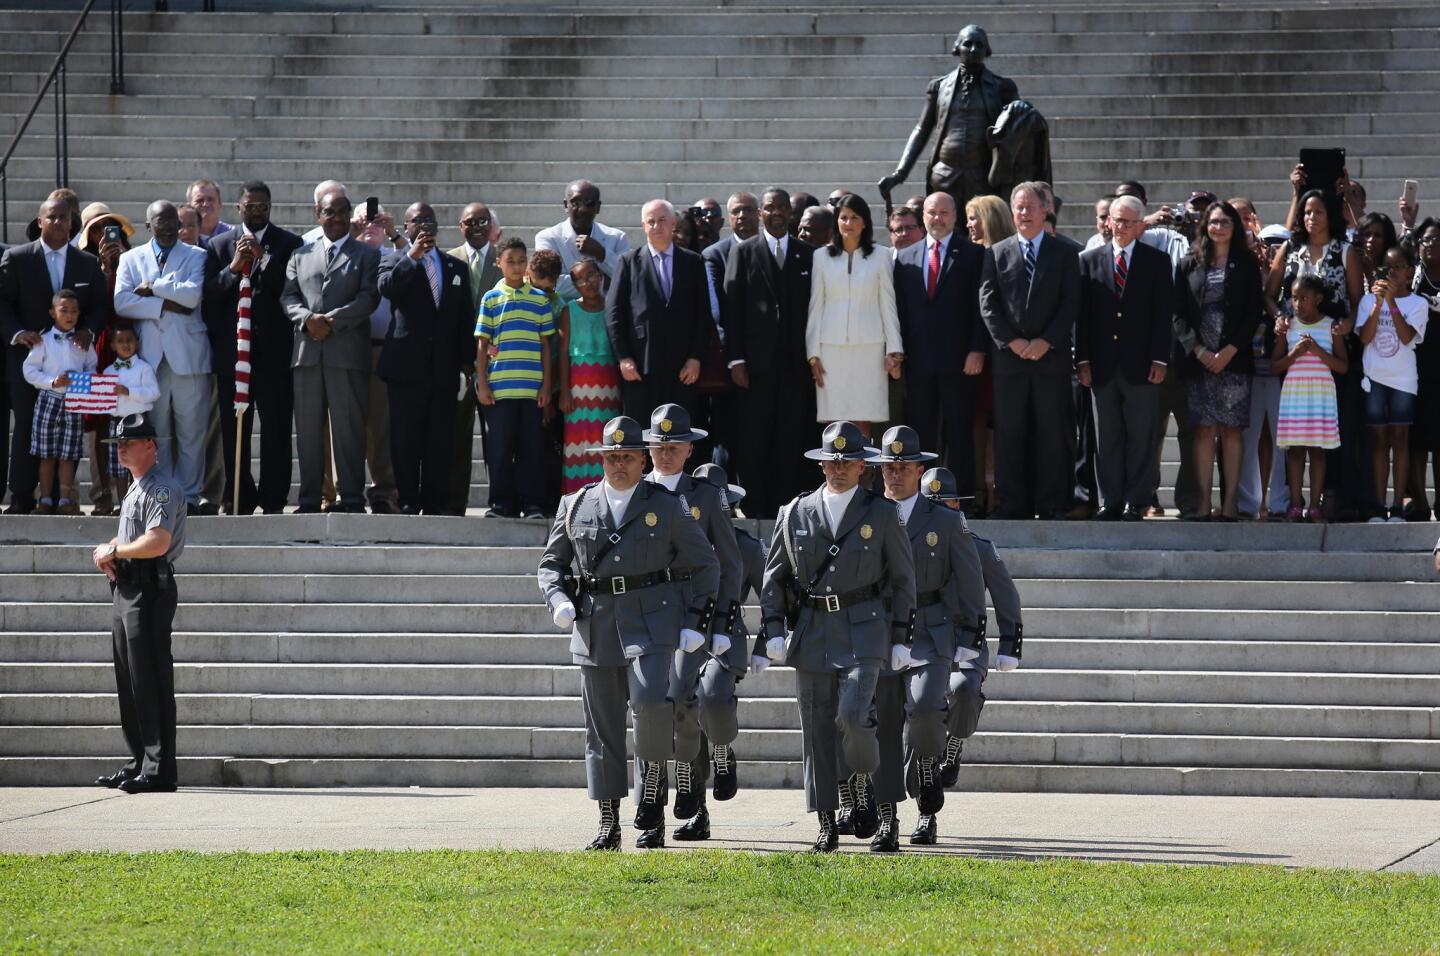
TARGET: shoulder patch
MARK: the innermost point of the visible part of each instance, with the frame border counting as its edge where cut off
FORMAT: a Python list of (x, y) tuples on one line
[(162, 495)]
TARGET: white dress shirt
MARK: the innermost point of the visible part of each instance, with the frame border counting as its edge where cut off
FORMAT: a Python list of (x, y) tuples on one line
[(57, 353), (618, 501), (669, 482), (906, 507), (835, 505), (139, 378)]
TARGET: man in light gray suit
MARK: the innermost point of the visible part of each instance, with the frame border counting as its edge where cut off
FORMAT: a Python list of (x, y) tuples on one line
[(159, 286), (840, 579), (330, 292), (624, 559)]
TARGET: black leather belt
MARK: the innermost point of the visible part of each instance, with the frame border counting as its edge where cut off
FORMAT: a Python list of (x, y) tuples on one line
[(835, 602), (156, 571), (622, 583), (927, 598)]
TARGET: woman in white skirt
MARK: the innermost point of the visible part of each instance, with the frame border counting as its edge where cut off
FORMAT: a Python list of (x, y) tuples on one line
[(852, 336)]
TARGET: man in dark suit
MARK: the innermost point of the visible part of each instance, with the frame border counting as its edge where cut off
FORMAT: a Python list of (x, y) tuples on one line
[(766, 302), (30, 275), (478, 253), (937, 296), (264, 249), (658, 315), (431, 337), (742, 212), (1029, 298), (1122, 343)]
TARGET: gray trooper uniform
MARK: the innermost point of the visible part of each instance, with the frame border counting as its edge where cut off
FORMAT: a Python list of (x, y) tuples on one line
[(855, 592), (144, 599), (966, 698), (630, 615)]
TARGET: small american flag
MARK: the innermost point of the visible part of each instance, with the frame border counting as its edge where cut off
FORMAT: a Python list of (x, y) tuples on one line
[(91, 394)]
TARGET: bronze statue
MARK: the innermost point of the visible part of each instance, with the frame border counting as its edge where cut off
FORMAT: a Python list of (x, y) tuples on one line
[(966, 103)]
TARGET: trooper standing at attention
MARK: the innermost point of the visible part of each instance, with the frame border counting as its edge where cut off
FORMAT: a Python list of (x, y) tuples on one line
[(140, 563), (612, 574), (913, 706), (838, 601), (670, 440), (966, 700), (721, 672)]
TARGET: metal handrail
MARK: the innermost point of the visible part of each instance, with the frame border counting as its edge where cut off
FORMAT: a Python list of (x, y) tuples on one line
[(62, 113)]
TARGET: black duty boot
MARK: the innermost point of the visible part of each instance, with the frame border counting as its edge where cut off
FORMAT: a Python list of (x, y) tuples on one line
[(887, 840), (653, 839), (950, 765), (650, 802), (827, 841), (726, 782), (925, 830), (844, 820), (687, 791), (608, 837), (866, 817), (930, 797), (698, 826)]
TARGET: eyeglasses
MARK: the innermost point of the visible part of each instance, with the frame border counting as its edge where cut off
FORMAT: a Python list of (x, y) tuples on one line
[(1429, 240), (578, 202), (1123, 222), (475, 221), (255, 206), (903, 229)]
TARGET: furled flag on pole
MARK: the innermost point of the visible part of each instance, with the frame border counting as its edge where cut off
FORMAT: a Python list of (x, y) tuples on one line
[(91, 394), (242, 343)]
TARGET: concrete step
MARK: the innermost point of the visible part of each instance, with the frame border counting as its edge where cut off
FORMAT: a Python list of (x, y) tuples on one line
[(1022, 778), (1390, 690)]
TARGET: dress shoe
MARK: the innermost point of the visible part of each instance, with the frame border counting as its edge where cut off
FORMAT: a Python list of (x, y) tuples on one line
[(534, 514), (114, 780), (497, 511), (1081, 512), (950, 764), (307, 510), (887, 839), (409, 510), (697, 827), (726, 780), (69, 509), (383, 508), (21, 508), (828, 839), (844, 820), (145, 783), (1107, 514), (1154, 511), (866, 816), (651, 839), (687, 793), (1132, 514), (207, 509), (650, 808), (608, 836), (43, 508), (275, 511), (925, 831), (1055, 516), (930, 795), (101, 511)]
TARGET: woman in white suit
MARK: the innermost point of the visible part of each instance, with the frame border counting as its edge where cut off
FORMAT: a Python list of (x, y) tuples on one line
[(852, 336)]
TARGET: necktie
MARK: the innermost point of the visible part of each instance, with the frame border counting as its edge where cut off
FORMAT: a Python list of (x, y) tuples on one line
[(55, 263), (932, 272), (433, 275), (1120, 273), (779, 255), (160, 260), (1029, 259), (330, 254), (660, 258)]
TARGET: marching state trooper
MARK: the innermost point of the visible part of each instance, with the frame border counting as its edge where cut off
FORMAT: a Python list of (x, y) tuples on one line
[(612, 574), (140, 563), (721, 672), (670, 440), (966, 699), (913, 705), (838, 601)]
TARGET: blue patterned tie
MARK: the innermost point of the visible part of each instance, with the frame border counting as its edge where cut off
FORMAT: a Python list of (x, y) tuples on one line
[(1029, 259), (330, 254)]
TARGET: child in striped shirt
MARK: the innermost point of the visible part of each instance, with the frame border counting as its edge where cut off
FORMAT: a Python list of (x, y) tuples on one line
[(514, 385)]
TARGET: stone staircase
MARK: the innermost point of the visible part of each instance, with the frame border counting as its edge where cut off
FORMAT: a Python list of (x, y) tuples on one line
[(321, 650), (686, 100)]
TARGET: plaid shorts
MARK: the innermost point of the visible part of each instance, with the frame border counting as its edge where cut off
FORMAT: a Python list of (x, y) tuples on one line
[(56, 433), (113, 451)]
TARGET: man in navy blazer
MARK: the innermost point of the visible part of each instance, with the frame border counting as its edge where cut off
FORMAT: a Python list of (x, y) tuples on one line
[(30, 275), (1121, 346), (657, 313), (429, 339), (937, 296), (266, 249), (1029, 297)]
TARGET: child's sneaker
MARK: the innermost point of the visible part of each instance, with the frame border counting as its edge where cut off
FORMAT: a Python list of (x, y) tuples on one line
[(68, 508)]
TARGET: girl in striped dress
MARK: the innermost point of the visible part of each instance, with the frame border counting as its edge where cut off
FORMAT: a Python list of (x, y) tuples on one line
[(1310, 356), (589, 378)]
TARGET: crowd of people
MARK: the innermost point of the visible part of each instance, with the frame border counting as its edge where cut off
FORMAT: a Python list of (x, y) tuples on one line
[(1044, 370)]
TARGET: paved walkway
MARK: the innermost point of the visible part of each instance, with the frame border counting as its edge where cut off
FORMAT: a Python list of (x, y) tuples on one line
[(1394, 835)]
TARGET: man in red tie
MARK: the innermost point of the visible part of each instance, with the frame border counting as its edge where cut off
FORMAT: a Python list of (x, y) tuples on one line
[(937, 296), (1122, 342)]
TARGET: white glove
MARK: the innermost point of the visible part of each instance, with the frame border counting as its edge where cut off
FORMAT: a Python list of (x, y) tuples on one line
[(758, 664), (691, 641), (464, 387), (564, 615), (963, 654), (899, 657), (1004, 662), (719, 644), (775, 649)]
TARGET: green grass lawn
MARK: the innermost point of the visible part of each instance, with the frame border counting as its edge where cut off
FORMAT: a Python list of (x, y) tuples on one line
[(694, 903)]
